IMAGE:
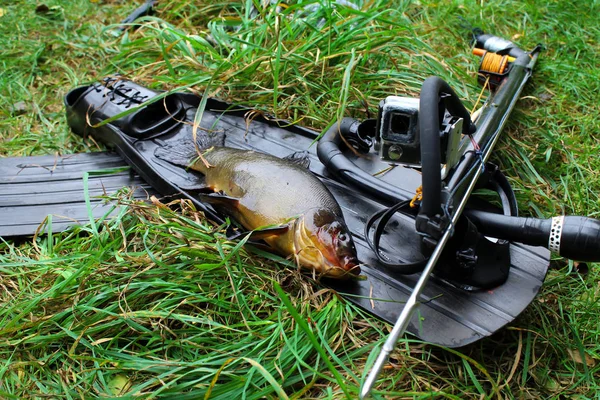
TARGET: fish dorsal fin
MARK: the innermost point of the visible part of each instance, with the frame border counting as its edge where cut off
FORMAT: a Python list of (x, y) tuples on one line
[(299, 158)]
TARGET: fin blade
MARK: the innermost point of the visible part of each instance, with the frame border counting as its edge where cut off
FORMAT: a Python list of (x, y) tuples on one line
[(195, 189)]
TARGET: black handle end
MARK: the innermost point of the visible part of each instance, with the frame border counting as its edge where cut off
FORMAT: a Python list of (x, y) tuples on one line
[(579, 238)]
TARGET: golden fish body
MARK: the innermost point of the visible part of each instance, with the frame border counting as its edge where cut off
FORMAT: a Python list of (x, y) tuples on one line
[(272, 191)]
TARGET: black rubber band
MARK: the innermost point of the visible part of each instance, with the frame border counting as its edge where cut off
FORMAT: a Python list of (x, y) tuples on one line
[(379, 220)]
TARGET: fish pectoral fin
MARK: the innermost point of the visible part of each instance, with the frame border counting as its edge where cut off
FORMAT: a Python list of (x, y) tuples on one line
[(264, 233), (197, 188), (299, 158), (219, 199), (268, 232)]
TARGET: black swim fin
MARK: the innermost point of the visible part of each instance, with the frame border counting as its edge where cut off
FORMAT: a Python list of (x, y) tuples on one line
[(447, 316), (51, 188)]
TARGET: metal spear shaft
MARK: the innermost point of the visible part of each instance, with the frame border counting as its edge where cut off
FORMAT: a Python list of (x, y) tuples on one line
[(412, 302)]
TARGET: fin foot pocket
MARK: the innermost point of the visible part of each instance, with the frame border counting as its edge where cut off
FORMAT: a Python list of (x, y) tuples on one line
[(156, 119)]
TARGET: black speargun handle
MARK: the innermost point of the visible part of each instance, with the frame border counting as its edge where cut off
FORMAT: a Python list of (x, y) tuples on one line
[(573, 237), (433, 92)]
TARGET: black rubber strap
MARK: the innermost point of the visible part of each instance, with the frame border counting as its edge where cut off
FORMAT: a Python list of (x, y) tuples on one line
[(500, 185), (379, 220)]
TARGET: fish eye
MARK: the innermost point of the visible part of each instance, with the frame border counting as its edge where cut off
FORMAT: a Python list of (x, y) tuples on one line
[(343, 237)]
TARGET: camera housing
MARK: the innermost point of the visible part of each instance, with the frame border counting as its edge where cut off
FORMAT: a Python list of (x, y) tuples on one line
[(398, 140)]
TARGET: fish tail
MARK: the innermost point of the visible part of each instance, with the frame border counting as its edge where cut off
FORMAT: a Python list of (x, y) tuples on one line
[(180, 152), (183, 152), (216, 139), (210, 139)]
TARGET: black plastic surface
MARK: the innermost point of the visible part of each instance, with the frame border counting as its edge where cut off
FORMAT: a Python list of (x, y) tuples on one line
[(31, 188), (448, 316)]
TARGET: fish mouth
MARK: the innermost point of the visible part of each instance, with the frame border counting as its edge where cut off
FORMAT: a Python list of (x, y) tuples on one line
[(349, 268), (324, 261), (351, 264), (337, 272)]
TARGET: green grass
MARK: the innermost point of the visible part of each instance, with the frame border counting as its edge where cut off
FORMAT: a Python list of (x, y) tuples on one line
[(158, 303)]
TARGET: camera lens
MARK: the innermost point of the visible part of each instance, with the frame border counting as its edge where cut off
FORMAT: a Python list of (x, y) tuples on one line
[(400, 123)]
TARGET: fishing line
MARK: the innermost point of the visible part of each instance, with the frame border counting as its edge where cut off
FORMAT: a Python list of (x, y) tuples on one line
[(494, 63)]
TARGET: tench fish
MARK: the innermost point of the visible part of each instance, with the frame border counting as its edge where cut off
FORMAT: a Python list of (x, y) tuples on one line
[(260, 190)]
